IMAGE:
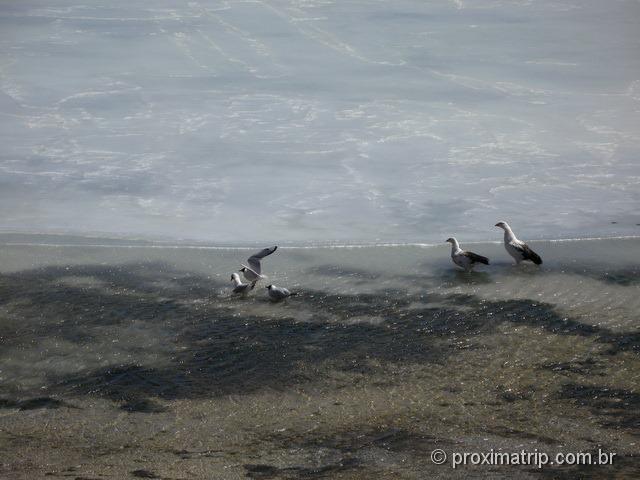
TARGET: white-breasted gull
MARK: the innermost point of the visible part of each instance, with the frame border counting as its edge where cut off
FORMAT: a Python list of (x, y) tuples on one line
[(519, 250), (238, 286), (278, 293), (253, 271), (465, 259)]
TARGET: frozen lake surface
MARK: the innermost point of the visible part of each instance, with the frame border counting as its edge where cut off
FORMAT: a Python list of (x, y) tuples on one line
[(320, 120)]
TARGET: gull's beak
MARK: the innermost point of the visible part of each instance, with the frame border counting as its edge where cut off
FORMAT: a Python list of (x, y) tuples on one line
[(497, 225)]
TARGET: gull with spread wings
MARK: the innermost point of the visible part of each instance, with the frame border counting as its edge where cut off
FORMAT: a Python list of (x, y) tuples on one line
[(253, 271)]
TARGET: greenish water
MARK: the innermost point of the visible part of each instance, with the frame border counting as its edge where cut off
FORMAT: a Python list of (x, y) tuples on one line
[(125, 362)]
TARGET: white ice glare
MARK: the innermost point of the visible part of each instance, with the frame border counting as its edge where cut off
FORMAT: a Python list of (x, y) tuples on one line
[(319, 120)]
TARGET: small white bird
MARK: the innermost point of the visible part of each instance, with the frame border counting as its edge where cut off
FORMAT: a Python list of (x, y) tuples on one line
[(519, 250), (239, 287), (464, 259), (278, 293), (253, 272)]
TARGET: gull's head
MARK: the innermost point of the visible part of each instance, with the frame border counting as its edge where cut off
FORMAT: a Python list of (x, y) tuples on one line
[(268, 287), (502, 225), (451, 240)]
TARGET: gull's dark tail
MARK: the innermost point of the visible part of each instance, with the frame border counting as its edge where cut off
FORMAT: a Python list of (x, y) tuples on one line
[(478, 258), (529, 254)]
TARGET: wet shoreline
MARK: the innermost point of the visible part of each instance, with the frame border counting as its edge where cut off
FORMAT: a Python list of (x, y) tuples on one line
[(138, 364)]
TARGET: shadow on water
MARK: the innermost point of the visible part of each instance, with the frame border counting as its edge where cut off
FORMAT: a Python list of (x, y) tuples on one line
[(111, 296), (238, 356), (620, 408), (217, 352), (265, 472), (34, 403), (220, 346)]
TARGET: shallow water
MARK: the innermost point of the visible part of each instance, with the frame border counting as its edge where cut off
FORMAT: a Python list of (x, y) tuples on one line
[(131, 361)]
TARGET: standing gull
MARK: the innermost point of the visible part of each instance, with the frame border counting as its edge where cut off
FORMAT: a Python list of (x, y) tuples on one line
[(238, 286), (278, 293), (519, 250), (464, 259), (252, 271)]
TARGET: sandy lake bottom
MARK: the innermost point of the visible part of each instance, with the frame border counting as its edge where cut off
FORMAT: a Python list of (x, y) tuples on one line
[(137, 363)]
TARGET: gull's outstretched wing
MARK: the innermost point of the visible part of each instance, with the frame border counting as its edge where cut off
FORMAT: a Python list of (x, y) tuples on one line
[(254, 260)]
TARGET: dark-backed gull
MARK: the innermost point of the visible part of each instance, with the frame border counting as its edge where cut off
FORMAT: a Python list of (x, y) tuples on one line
[(519, 250), (464, 259)]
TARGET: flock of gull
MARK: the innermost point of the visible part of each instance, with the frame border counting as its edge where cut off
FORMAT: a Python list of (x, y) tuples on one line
[(519, 250), (252, 272)]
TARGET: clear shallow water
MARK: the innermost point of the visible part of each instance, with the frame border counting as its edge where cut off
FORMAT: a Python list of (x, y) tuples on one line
[(130, 359), (319, 120)]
